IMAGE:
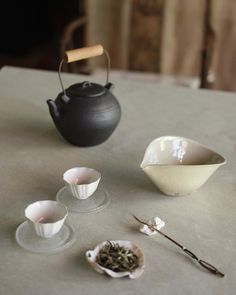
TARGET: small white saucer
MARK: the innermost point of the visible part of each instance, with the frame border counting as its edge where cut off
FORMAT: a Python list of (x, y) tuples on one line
[(27, 239), (98, 201)]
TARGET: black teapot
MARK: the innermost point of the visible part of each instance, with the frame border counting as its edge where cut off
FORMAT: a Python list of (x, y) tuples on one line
[(86, 113)]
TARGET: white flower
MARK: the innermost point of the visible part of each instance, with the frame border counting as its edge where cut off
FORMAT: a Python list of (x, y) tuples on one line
[(157, 222)]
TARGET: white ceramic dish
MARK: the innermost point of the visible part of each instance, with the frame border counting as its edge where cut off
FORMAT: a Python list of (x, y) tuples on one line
[(82, 182), (47, 217), (92, 254), (178, 165)]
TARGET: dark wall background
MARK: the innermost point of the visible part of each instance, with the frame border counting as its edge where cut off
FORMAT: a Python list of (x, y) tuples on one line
[(31, 30)]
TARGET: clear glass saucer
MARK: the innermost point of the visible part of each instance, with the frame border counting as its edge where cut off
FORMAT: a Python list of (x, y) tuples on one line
[(26, 237), (98, 201)]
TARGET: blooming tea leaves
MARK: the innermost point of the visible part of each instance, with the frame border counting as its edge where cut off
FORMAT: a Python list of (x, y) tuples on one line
[(117, 258)]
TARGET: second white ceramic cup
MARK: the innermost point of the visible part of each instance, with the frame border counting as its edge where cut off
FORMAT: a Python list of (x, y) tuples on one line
[(82, 182), (47, 217)]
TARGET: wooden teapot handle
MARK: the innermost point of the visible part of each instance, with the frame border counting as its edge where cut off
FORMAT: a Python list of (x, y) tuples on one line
[(83, 53)]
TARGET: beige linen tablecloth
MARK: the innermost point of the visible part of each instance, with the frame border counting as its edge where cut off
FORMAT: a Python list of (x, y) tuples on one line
[(33, 157)]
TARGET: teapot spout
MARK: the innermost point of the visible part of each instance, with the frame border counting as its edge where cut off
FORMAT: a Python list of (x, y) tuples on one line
[(53, 109)]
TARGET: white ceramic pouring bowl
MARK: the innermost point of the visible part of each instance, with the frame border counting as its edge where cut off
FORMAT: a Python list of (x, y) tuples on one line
[(82, 182), (47, 217), (178, 165)]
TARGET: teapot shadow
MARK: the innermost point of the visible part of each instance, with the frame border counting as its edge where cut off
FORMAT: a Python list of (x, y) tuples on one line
[(33, 132), (133, 178)]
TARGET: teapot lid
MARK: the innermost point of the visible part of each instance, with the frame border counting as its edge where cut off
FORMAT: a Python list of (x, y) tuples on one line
[(85, 89)]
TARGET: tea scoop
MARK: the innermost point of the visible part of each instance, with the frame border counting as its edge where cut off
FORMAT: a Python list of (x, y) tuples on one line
[(156, 228)]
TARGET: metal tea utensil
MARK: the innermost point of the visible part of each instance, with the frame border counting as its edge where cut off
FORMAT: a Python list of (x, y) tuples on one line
[(203, 263)]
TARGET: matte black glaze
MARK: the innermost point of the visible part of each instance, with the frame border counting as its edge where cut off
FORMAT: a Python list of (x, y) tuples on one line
[(87, 115)]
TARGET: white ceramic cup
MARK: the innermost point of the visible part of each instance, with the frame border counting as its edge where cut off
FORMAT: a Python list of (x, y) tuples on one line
[(82, 182), (47, 217)]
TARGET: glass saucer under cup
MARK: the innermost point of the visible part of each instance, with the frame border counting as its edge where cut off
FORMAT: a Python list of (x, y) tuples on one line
[(98, 201), (27, 238)]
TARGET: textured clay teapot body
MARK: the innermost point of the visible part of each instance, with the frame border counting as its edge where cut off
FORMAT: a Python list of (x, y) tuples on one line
[(86, 113)]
